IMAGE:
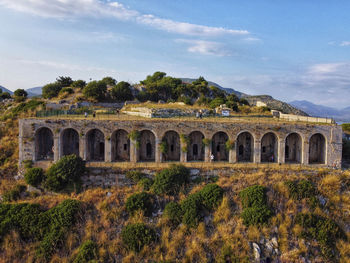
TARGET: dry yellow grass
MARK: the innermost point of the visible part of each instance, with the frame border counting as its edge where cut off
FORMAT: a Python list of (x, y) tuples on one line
[(106, 216)]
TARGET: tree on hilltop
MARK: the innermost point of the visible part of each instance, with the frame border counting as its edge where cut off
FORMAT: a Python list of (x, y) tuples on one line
[(109, 81), (20, 95), (51, 90), (122, 91), (95, 90), (64, 81)]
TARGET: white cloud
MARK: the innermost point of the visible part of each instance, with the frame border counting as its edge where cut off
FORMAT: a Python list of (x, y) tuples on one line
[(345, 43), (205, 47), (93, 8), (187, 28)]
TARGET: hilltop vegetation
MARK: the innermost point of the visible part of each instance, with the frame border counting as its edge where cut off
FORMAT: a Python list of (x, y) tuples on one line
[(155, 88)]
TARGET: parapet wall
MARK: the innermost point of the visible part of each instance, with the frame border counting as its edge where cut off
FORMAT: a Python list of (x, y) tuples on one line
[(182, 141)]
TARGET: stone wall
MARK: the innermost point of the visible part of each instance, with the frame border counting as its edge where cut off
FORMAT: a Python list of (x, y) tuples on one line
[(326, 151)]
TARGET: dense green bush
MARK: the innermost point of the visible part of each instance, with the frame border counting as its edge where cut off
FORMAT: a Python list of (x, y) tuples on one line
[(135, 175), (32, 223), (192, 210), (51, 90), (211, 195), (14, 193), (95, 90), (122, 91), (87, 252), (78, 84), (169, 181), (324, 230), (173, 213), (136, 236), (20, 95), (301, 189), (253, 196), (146, 183), (256, 215), (67, 170), (34, 176), (66, 89), (140, 201), (254, 203)]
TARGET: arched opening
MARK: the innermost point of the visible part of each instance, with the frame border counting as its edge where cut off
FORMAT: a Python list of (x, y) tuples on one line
[(317, 149), (293, 148), (43, 144), (70, 142), (171, 150), (219, 146), (244, 147), (120, 146), (195, 149), (147, 146), (269, 148), (95, 141)]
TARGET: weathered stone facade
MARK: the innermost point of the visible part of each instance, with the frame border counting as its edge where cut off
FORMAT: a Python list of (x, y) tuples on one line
[(107, 140)]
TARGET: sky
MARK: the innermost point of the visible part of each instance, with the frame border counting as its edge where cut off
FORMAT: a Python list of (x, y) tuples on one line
[(292, 50)]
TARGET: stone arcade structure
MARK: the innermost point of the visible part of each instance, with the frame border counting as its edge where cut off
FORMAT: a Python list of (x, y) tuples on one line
[(185, 141)]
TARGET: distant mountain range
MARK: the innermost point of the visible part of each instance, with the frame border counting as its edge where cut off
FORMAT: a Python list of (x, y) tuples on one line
[(268, 100), (36, 91), (5, 90), (342, 115)]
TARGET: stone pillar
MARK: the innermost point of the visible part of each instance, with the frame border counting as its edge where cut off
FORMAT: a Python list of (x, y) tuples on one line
[(232, 155), (281, 151), (56, 148), (108, 150), (207, 153), (257, 151), (305, 152), (183, 155), (82, 147), (158, 154), (133, 152)]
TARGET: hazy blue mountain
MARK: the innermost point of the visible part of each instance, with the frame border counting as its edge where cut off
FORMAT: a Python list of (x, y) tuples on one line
[(342, 115), (5, 90), (36, 91)]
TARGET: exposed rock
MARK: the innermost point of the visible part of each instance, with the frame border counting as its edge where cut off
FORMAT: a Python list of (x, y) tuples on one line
[(322, 200), (274, 241), (257, 251), (194, 172)]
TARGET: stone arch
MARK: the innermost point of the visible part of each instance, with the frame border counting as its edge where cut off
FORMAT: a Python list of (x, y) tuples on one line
[(293, 148), (44, 144), (172, 146), (147, 146), (269, 148), (95, 142), (245, 147), (218, 146), (69, 142), (317, 149), (120, 144), (195, 149)]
